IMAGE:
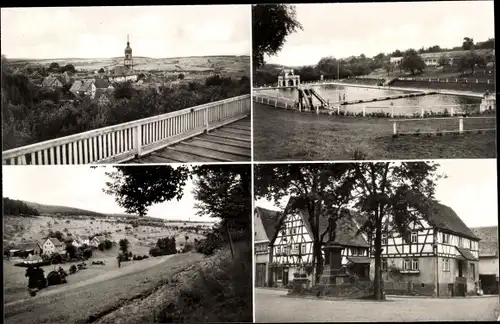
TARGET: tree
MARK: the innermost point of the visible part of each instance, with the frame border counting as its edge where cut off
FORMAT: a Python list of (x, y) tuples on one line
[(54, 67), (391, 195), (271, 24), (124, 244), (137, 188), (470, 60), (71, 250), (101, 70), (224, 191), (181, 76), (69, 68), (412, 62), (468, 44), (443, 61), (321, 190)]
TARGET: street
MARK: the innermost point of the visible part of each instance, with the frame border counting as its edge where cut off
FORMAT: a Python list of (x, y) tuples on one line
[(270, 306)]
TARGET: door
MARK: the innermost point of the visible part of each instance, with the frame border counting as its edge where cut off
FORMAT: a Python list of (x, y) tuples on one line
[(460, 269), (489, 284), (260, 275), (285, 276)]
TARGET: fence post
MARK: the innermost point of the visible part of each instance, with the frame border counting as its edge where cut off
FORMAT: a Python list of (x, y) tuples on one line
[(364, 111), (477, 80), (392, 111), (317, 110), (205, 119), (138, 139), (446, 80), (338, 110), (451, 111), (461, 125), (275, 103), (422, 112), (394, 128)]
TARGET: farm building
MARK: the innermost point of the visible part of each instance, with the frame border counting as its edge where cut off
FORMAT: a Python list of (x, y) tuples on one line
[(24, 249), (52, 82), (97, 240), (488, 258), (84, 88), (80, 241), (53, 245)]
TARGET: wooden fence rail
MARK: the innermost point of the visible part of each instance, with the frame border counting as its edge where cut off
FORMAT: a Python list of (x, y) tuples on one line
[(122, 142), (445, 125)]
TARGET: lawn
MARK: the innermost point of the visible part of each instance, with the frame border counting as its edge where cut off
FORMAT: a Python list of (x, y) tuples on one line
[(311, 137)]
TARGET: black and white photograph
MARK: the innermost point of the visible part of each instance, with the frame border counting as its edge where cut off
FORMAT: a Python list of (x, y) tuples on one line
[(138, 84), (372, 81), (127, 244), (376, 241)]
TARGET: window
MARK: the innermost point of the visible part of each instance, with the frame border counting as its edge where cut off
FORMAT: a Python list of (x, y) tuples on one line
[(354, 252), (360, 252), (414, 237), (383, 265), (303, 248), (278, 250), (384, 239), (446, 264), (445, 238), (473, 270), (460, 242), (414, 264), (406, 264)]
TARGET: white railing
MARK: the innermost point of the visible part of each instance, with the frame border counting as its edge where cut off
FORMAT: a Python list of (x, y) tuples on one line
[(444, 125), (122, 142), (278, 102)]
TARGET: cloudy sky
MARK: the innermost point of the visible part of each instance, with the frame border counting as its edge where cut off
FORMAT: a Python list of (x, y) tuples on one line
[(101, 32), (345, 29), (470, 190), (81, 187)]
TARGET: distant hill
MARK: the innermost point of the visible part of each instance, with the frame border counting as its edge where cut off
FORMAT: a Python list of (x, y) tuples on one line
[(62, 210)]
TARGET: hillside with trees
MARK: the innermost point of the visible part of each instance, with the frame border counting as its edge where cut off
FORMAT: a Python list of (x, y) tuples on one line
[(18, 208)]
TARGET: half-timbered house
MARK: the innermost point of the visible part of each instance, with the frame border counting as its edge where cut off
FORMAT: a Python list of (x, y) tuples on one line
[(438, 256), (292, 247)]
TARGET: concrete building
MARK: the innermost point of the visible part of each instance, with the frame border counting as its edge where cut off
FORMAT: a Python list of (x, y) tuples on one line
[(439, 256), (488, 258)]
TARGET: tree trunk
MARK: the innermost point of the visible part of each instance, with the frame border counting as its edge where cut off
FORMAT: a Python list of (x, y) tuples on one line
[(377, 284), (319, 262), (229, 239)]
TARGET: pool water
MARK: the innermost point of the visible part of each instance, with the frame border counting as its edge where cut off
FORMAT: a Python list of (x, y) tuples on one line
[(403, 106)]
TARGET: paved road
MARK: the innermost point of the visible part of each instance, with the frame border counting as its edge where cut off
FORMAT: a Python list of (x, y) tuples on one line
[(76, 303), (270, 306)]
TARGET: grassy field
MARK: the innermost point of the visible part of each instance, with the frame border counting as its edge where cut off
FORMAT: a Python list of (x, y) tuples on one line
[(227, 65), (303, 136), (84, 301)]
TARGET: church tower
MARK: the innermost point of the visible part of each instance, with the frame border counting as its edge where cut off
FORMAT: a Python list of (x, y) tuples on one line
[(128, 62)]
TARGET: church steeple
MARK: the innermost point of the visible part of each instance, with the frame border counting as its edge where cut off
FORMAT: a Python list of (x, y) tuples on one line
[(128, 62)]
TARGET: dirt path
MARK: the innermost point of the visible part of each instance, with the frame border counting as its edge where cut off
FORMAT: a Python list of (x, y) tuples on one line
[(77, 303)]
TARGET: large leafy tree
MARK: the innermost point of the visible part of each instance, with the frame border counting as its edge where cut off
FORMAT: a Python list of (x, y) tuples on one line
[(412, 62), (391, 196), (271, 25), (224, 191), (322, 190)]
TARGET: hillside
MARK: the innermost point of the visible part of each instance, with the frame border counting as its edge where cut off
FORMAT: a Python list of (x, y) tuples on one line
[(61, 210), (226, 65)]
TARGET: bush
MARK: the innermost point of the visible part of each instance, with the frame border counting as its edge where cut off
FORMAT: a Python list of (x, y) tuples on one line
[(72, 269), (208, 245), (219, 294), (188, 247), (87, 253), (54, 278), (36, 278)]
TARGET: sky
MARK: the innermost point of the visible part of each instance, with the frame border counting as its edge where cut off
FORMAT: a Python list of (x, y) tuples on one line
[(101, 32), (345, 29), (82, 187), (470, 189)]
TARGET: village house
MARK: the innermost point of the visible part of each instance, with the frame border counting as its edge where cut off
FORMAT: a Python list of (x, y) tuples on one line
[(24, 249), (84, 88), (97, 240), (488, 258), (102, 83), (53, 245), (265, 222), (292, 247), (79, 241), (437, 257), (103, 96), (52, 82)]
